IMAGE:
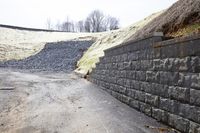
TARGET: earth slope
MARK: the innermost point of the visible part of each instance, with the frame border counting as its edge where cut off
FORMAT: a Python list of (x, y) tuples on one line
[(182, 14), (181, 19)]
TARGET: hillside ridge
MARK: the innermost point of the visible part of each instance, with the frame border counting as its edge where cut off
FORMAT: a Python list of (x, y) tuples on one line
[(27, 29)]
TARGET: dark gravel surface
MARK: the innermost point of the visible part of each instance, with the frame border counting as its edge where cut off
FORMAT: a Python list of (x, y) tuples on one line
[(58, 56)]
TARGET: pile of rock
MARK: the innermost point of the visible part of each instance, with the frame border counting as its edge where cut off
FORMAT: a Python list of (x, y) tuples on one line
[(58, 56)]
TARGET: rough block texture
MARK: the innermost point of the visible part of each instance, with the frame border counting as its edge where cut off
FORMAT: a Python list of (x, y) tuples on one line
[(159, 78)]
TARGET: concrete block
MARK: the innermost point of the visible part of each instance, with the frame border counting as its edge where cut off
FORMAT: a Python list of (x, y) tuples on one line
[(157, 64), (165, 64), (183, 50), (190, 47), (107, 90), (138, 65), (195, 97), (142, 55), (184, 79), (149, 54), (107, 85), (173, 78), (146, 65), (195, 81), (160, 90), (146, 87), (122, 74), (126, 49), (179, 123), (195, 64), (151, 99), (140, 75), (157, 53), (189, 112), (169, 105), (152, 76), (124, 99), (169, 64), (112, 87), (179, 93), (114, 66), (115, 94), (133, 65), (132, 56), (116, 88), (117, 58), (120, 66), (160, 115), (135, 84), (194, 127), (134, 104), (139, 95), (110, 66), (127, 83), (127, 66), (121, 89), (164, 79), (130, 74), (169, 51), (130, 93), (120, 81), (124, 57), (131, 47), (184, 64), (112, 79), (113, 59), (175, 65), (145, 108), (195, 47), (118, 74)]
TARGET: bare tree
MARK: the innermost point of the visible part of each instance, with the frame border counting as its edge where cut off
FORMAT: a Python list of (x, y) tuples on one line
[(80, 26), (87, 26), (49, 24), (98, 22), (68, 26), (112, 23), (58, 26), (95, 20)]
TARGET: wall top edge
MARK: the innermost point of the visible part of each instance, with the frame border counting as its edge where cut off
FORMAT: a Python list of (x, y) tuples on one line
[(155, 34), (176, 40)]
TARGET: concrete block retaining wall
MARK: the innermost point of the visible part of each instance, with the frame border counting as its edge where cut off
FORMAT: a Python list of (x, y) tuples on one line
[(159, 78)]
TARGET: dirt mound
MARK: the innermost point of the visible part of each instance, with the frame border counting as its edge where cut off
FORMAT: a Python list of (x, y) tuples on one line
[(178, 16)]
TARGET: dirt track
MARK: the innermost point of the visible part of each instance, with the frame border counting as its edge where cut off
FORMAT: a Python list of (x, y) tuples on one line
[(63, 103)]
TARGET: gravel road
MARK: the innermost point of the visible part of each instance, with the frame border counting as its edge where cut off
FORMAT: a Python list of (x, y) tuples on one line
[(45, 102)]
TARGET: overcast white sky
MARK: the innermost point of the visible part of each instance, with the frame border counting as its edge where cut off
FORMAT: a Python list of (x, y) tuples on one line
[(34, 13)]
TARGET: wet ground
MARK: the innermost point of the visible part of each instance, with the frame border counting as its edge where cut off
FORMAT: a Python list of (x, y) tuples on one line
[(63, 103)]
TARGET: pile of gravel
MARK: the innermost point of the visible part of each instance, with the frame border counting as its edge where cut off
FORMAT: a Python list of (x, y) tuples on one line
[(58, 56)]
